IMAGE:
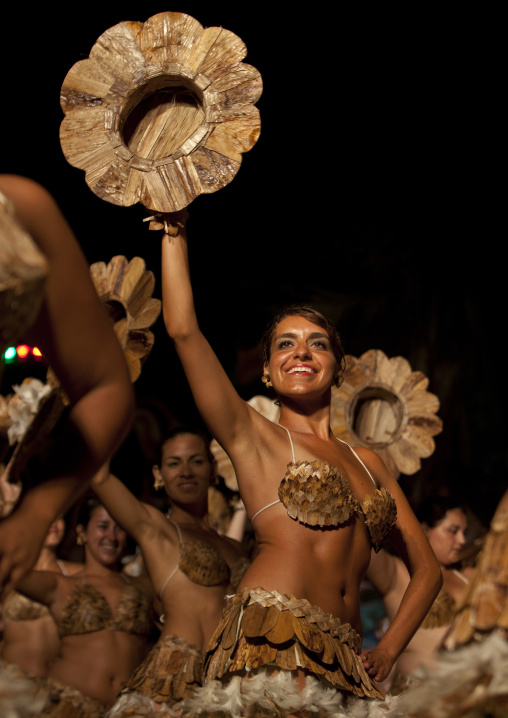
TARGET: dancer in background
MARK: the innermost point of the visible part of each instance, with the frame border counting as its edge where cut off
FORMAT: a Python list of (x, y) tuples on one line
[(191, 567), (444, 521), (293, 630), (77, 339), (30, 637), (104, 620)]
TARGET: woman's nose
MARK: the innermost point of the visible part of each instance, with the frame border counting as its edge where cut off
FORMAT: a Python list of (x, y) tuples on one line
[(301, 350)]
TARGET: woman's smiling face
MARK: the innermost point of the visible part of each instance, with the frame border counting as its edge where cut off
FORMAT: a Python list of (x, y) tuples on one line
[(186, 468), (104, 539), (301, 357)]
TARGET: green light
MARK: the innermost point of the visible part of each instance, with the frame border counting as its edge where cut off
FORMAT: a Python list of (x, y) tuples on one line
[(10, 353)]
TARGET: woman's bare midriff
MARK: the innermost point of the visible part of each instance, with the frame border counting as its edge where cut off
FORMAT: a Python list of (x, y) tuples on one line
[(324, 566), (98, 663), (32, 645), (193, 611)]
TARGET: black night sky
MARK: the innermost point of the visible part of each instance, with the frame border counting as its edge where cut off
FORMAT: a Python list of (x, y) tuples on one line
[(372, 194)]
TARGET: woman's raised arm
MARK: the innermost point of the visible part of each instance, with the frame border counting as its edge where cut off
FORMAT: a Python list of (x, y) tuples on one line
[(222, 409), (131, 514), (77, 338)]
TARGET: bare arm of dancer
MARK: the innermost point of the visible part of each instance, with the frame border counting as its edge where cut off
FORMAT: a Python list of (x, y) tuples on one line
[(425, 581), (40, 586), (76, 336), (222, 409), (132, 515)]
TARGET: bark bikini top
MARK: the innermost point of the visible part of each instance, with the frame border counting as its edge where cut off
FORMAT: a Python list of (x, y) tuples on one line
[(316, 494)]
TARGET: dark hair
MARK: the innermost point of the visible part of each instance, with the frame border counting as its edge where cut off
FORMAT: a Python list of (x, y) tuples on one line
[(178, 431), (86, 510), (311, 315), (433, 509)]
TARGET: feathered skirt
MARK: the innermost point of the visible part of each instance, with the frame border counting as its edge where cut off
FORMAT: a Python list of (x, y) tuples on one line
[(263, 638), (171, 672)]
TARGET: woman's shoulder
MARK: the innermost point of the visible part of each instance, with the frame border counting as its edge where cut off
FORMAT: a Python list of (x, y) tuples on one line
[(69, 568)]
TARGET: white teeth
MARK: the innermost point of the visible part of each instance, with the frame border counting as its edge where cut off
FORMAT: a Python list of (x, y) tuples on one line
[(306, 369)]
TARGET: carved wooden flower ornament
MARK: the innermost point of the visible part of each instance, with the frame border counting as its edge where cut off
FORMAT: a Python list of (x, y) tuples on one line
[(160, 112), (384, 405)]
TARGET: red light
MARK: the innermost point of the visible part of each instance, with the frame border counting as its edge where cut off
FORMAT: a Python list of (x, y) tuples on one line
[(36, 352), (23, 351)]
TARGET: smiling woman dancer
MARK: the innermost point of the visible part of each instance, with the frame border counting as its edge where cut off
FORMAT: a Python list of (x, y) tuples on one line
[(317, 508), (191, 568), (444, 521), (104, 620)]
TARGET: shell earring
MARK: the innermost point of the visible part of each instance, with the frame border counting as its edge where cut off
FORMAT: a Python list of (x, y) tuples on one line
[(266, 379), (80, 540), (158, 483)]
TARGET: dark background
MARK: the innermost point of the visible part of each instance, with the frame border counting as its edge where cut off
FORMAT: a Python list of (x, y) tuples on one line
[(372, 193)]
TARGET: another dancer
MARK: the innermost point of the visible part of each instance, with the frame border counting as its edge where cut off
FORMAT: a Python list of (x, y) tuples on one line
[(317, 508), (191, 568), (104, 620), (444, 521)]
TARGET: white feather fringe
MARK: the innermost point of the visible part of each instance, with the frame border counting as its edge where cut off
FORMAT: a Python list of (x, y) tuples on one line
[(138, 705), (264, 695), (461, 683), (17, 696)]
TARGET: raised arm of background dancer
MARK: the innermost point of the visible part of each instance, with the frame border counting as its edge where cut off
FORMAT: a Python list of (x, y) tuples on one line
[(425, 581), (219, 404), (132, 515), (77, 338)]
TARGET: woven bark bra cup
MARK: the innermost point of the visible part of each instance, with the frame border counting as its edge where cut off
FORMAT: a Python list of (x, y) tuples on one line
[(442, 611), (87, 611), (200, 562), (20, 608), (316, 494), (160, 112)]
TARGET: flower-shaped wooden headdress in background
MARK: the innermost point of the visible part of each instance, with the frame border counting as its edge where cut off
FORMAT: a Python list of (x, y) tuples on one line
[(384, 405), (125, 288), (160, 112)]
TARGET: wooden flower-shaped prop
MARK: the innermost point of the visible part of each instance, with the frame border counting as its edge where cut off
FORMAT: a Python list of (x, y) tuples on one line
[(384, 405), (125, 288), (160, 112)]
